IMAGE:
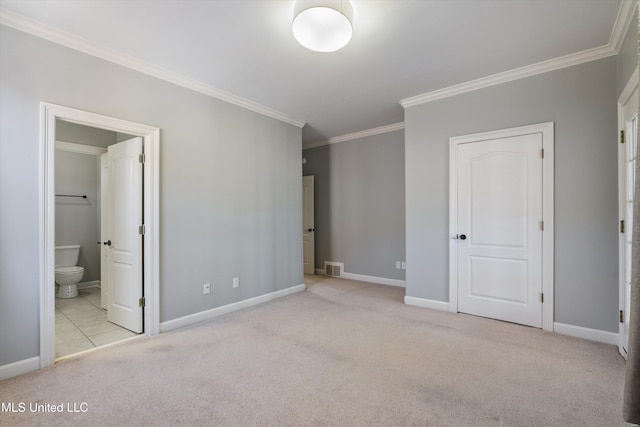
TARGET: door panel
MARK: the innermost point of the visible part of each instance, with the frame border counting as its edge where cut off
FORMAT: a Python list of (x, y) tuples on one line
[(499, 200), (482, 283), (124, 218)]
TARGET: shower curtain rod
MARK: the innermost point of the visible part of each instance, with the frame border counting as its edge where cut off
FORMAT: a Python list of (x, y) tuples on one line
[(70, 195)]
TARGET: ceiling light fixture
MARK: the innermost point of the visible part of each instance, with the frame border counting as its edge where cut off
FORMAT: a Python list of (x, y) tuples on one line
[(322, 26)]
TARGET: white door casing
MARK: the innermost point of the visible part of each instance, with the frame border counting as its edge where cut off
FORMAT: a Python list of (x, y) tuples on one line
[(308, 224), (124, 206), (627, 159), (49, 113), (501, 194)]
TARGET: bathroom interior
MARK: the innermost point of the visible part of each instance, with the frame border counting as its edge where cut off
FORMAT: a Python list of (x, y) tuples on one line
[(81, 308)]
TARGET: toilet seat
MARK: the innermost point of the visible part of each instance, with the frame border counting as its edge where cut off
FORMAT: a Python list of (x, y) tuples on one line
[(69, 270)]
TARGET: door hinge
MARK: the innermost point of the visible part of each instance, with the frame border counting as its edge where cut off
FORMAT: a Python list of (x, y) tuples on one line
[(621, 316), (542, 153), (141, 158), (621, 137), (542, 225), (542, 297), (141, 230), (141, 302), (622, 226)]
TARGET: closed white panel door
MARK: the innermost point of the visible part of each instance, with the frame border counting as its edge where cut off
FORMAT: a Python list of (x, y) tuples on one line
[(124, 218), (308, 225), (499, 242)]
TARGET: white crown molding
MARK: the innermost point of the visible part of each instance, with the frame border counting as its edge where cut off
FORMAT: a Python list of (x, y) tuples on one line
[(629, 88), (507, 76), (355, 135), (623, 20), (72, 147), (72, 41)]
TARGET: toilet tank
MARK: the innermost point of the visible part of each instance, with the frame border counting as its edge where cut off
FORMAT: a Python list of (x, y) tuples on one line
[(67, 256)]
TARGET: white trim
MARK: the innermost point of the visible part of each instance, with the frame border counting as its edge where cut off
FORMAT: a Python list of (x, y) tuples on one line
[(623, 20), (374, 279), (75, 42), (507, 76), (629, 88), (586, 333), (621, 26), (49, 113), (547, 131), (226, 309), (369, 279), (427, 303), (355, 135), (72, 147), (20, 367)]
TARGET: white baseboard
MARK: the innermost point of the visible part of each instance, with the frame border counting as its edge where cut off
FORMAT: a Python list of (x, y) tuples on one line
[(363, 278), (20, 367), (373, 279), (225, 309), (427, 303), (586, 333), (91, 284)]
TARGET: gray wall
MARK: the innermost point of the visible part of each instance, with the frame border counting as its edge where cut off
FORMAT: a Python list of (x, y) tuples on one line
[(359, 204), (628, 54), (78, 220), (581, 100), (230, 184)]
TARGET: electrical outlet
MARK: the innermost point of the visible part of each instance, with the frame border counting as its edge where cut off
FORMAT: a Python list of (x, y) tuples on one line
[(206, 288), (236, 282), (398, 265), (404, 265)]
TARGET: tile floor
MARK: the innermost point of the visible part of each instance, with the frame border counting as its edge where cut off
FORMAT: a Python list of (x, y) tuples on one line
[(81, 324)]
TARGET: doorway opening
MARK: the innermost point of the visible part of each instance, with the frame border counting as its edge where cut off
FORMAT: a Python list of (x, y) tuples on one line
[(149, 137), (308, 225)]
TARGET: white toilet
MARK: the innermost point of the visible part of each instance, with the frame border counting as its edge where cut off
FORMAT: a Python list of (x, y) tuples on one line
[(68, 274)]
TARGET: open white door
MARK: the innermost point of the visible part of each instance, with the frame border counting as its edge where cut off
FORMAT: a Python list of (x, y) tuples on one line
[(308, 225), (104, 231), (628, 117), (124, 237), (499, 233)]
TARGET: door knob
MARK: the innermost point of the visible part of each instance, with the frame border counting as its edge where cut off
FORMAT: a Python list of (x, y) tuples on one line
[(311, 229), (108, 243), (463, 237)]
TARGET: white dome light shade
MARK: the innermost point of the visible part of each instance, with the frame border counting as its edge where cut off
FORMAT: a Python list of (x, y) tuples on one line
[(322, 26)]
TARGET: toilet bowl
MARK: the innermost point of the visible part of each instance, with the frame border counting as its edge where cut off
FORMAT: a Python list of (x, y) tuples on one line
[(67, 273)]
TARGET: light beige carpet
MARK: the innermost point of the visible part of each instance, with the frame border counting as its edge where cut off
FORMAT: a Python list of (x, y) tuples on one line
[(342, 353)]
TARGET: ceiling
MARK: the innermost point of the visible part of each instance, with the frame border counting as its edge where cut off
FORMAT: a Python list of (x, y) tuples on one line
[(400, 48)]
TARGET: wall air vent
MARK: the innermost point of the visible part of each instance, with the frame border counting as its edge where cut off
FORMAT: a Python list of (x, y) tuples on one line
[(333, 269)]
